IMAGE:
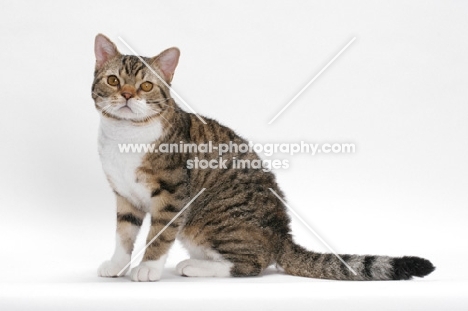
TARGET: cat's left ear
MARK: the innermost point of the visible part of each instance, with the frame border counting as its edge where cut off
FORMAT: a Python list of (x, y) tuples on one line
[(167, 61)]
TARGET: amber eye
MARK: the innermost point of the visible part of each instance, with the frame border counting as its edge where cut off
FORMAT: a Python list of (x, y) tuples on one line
[(146, 86), (112, 80)]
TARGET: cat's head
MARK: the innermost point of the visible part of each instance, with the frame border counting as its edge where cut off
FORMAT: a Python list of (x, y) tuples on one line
[(124, 88)]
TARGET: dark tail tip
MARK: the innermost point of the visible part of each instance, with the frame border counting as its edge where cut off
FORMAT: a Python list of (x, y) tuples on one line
[(404, 268)]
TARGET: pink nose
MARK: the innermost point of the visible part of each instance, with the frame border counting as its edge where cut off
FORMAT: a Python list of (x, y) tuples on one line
[(127, 95)]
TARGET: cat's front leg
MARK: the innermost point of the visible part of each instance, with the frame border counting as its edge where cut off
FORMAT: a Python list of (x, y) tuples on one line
[(165, 231), (129, 220)]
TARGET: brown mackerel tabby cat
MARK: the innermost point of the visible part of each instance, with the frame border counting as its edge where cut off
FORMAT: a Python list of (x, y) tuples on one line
[(237, 227)]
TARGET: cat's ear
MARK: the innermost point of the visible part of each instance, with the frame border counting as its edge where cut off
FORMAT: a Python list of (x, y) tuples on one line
[(104, 49), (167, 62)]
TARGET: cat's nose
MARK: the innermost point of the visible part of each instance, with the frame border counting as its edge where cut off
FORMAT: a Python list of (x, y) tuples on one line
[(128, 91), (127, 95)]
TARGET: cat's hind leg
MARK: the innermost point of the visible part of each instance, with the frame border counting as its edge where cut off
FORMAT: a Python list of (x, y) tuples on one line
[(203, 262), (204, 268)]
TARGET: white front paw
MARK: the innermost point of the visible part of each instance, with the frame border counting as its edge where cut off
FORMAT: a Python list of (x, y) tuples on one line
[(148, 271), (111, 268)]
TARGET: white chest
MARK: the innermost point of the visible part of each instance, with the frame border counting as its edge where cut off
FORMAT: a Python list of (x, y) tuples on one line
[(120, 166)]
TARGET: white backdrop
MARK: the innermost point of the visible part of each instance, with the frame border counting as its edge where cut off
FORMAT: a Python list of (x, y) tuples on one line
[(399, 92)]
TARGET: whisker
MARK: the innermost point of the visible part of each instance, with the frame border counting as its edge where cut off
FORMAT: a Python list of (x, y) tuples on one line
[(157, 110), (167, 105), (104, 102), (107, 104), (176, 109), (153, 110), (97, 94), (165, 119), (106, 107), (160, 114), (161, 101)]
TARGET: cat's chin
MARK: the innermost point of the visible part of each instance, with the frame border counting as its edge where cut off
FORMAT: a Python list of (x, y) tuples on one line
[(126, 114)]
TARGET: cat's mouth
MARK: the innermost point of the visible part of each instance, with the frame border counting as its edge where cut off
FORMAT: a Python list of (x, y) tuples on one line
[(121, 112), (127, 111), (126, 108)]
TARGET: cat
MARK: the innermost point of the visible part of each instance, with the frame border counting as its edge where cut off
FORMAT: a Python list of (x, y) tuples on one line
[(237, 227)]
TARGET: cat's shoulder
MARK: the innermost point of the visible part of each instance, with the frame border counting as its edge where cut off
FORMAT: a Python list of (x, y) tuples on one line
[(211, 128)]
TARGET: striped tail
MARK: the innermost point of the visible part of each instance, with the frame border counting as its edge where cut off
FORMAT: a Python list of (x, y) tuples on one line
[(296, 260)]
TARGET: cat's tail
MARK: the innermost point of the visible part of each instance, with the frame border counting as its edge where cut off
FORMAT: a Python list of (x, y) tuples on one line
[(296, 260)]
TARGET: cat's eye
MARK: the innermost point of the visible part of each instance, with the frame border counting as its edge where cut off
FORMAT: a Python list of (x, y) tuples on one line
[(112, 80), (146, 86)]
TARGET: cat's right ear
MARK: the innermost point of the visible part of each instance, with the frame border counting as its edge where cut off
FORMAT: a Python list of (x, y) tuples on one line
[(104, 49)]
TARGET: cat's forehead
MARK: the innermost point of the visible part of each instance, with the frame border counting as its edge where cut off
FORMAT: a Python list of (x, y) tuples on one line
[(131, 69), (132, 66)]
